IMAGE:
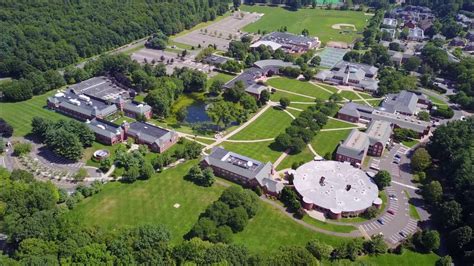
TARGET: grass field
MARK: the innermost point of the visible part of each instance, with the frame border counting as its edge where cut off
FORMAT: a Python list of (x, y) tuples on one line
[(301, 87), (269, 125), (319, 22), (332, 123), (326, 142), (304, 156), (329, 226), (119, 205), (436, 100), (410, 143), (277, 95), (350, 95), (261, 151), (220, 76), (20, 114), (327, 87)]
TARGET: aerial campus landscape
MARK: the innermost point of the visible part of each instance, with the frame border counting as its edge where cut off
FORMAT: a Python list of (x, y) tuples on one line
[(304, 132)]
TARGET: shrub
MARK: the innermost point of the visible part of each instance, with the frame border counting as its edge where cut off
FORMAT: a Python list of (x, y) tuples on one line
[(21, 148)]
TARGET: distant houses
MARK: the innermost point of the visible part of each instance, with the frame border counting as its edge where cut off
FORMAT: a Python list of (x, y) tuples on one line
[(361, 76), (243, 170)]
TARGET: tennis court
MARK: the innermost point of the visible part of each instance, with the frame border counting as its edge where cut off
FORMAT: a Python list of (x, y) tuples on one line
[(331, 56)]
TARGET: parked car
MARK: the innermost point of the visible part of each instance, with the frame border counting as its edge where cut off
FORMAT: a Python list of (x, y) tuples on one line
[(402, 234), (397, 156), (380, 221), (391, 212)]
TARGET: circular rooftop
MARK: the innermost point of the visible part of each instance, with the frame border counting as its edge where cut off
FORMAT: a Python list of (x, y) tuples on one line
[(335, 186)]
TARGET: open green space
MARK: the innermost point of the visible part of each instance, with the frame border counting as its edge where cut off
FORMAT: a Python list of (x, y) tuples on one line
[(326, 142), (328, 226), (120, 205), (350, 95), (219, 76), (436, 100), (261, 151), (333, 123), (269, 125), (319, 22), (20, 114), (374, 103), (410, 143), (277, 95), (413, 212), (271, 229), (87, 155), (407, 258), (304, 156), (301, 87), (365, 95), (327, 87)]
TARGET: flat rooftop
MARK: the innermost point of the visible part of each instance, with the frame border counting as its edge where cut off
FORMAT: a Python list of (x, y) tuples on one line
[(335, 186), (101, 88), (146, 129)]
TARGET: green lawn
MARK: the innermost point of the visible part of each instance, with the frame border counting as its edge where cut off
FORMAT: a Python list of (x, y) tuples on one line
[(20, 114), (219, 76), (326, 142), (87, 156), (413, 212), (350, 95), (374, 103), (365, 95), (261, 151), (277, 95), (319, 22), (332, 123), (410, 143), (301, 87), (120, 205), (304, 156), (269, 125), (436, 100), (329, 226), (271, 229), (407, 258), (327, 87)]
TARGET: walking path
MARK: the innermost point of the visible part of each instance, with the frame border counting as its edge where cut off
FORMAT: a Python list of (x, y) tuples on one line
[(321, 87), (337, 129), (293, 108), (294, 93), (250, 141), (281, 158), (290, 114), (244, 125)]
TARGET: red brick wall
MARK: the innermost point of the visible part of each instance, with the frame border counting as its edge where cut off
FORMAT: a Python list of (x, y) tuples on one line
[(348, 118)]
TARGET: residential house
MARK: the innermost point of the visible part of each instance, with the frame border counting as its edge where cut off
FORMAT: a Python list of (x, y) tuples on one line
[(389, 23), (416, 34), (458, 42)]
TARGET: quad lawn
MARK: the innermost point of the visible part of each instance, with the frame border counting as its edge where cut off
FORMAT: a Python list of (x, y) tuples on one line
[(304, 156), (350, 95), (301, 87), (319, 22), (326, 142), (219, 76), (120, 205), (436, 100), (277, 95), (365, 95), (333, 123), (20, 114), (327, 87), (261, 151), (374, 103), (410, 143), (269, 125)]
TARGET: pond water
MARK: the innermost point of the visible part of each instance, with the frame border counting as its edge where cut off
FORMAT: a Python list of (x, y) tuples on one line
[(197, 113)]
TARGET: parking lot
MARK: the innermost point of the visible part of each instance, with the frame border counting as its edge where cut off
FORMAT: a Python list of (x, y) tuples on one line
[(149, 55), (220, 33)]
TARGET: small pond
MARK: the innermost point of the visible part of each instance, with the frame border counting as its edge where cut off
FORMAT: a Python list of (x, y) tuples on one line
[(197, 113)]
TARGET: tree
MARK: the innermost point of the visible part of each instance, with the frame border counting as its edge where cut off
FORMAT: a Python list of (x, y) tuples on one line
[(423, 116), (382, 179), (315, 61), (284, 102), (427, 240), (6, 130), (181, 114), (64, 143), (319, 250), (459, 237), (371, 212), (293, 255), (80, 175), (264, 97), (412, 64), (420, 160), (305, 32), (376, 245), (222, 112), (444, 261), (146, 171), (208, 177), (216, 87), (432, 192), (92, 254), (132, 174), (22, 175), (238, 219), (21, 148), (450, 213)]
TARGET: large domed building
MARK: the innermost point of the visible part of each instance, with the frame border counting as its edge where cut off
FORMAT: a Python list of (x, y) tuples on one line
[(335, 188)]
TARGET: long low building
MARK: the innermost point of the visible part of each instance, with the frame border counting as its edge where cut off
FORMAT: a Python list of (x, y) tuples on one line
[(358, 113), (156, 138), (361, 76), (289, 42), (335, 188), (243, 170), (360, 144), (106, 132)]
